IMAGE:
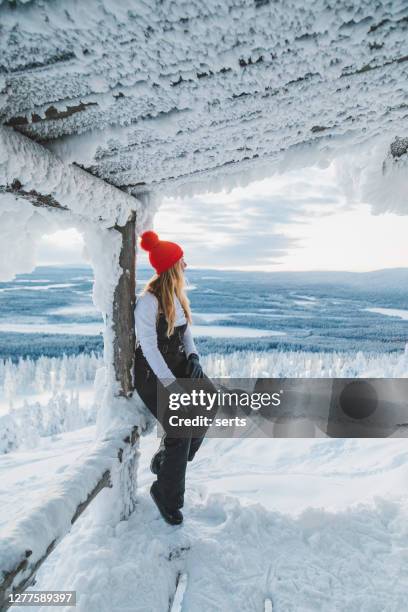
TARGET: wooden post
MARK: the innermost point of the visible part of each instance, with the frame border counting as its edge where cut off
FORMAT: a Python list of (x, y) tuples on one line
[(123, 309), (123, 325)]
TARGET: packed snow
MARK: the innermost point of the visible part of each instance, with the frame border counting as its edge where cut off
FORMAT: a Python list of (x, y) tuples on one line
[(315, 525), (25, 475)]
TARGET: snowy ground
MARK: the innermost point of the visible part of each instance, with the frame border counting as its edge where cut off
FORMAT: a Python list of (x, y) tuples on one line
[(285, 475), (25, 475), (310, 524)]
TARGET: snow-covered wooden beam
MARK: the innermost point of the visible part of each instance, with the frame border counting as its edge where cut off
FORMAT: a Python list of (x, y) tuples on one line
[(123, 98), (34, 537), (31, 171)]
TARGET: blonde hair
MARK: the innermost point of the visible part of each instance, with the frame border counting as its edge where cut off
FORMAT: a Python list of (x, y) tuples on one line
[(164, 286)]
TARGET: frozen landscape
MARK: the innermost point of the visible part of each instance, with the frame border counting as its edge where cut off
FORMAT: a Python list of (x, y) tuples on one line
[(108, 108), (305, 523), (298, 521), (50, 311), (276, 517), (302, 522)]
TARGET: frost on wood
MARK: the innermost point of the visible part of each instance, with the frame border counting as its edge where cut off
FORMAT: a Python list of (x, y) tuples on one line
[(31, 172), (104, 249), (392, 192), (183, 96), (399, 147)]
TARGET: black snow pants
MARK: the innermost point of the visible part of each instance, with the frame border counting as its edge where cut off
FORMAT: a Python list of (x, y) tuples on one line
[(176, 451)]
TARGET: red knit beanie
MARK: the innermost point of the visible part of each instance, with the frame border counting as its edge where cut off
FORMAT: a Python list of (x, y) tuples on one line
[(162, 254)]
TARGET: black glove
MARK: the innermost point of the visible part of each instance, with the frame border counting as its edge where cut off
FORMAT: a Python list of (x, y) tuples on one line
[(194, 369)]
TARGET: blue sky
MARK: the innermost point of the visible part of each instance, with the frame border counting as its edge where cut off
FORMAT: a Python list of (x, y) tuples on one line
[(299, 220)]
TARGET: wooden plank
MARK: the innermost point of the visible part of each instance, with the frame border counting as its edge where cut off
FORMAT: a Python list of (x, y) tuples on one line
[(50, 114), (123, 310), (176, 604), (101, 484)]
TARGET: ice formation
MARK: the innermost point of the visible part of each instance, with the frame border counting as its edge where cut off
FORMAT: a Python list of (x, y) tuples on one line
[(177, 96)]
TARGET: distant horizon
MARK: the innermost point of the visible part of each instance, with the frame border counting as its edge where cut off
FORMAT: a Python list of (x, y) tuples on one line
[(232, 310), (220, 269)]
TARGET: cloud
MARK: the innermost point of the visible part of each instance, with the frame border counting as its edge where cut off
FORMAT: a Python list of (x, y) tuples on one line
[(246, 227), (62, 247)]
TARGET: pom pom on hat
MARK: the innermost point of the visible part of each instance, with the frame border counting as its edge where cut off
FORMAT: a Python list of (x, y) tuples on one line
[(162, 254), (149, 240)]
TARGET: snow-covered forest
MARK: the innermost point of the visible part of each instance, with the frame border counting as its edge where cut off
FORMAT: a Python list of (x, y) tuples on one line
[(48, 396), (45, 397)]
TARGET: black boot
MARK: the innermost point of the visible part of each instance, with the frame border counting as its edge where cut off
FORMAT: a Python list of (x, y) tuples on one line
[(173, 517), (156, 462), (157, 458)]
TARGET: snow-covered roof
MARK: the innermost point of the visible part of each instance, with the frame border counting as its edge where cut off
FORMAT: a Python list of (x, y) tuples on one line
[(170, 94)]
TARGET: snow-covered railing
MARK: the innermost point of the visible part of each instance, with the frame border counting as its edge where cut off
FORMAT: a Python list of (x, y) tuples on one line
[(34, 537)]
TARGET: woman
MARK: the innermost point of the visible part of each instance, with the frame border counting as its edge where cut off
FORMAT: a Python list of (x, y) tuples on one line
[(165, 351)]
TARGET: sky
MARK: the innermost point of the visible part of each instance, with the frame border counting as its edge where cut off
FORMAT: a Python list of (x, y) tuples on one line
[(299, 220)]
